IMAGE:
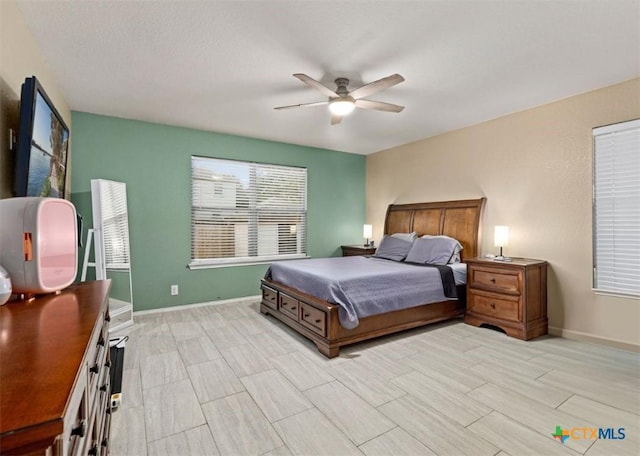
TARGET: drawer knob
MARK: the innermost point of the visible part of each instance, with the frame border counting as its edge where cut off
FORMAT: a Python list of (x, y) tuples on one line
[(493, 305), (94, 369), (272, 298), (293, 308), (103, 387), (284, 304), (318, 320), (306, 315), (493, 280), (81, 429)]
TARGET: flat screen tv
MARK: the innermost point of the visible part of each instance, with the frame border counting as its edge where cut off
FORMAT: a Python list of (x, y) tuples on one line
[(43, 145)]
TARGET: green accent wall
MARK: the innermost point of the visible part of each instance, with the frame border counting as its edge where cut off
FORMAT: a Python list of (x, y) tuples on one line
[(155, 162)]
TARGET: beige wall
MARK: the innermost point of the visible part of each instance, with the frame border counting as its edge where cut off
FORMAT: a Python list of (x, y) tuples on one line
[(534, 167), (20, 57)]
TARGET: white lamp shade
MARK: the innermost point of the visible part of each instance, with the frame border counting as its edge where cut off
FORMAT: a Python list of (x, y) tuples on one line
[(501, 236), (367, 231)]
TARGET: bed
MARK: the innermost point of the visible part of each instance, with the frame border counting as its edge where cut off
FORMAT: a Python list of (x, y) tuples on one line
[(319, 319)]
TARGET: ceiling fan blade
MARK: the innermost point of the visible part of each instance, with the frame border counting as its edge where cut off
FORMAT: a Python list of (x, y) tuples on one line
[(378, 105), (335, 120), (316, 85), (376, 86), (303, 105)]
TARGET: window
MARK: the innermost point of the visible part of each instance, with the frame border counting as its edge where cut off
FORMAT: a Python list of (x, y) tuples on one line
[(616, 208), (246, 212)]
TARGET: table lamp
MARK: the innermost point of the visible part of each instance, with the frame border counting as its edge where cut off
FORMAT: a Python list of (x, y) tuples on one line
[(367, 233), (501, 239)]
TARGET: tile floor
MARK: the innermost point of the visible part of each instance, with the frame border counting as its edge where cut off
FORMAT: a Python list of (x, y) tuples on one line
[(224, 379)]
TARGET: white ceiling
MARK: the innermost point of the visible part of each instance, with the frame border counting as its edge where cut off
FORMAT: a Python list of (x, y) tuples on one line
[(223, 65)]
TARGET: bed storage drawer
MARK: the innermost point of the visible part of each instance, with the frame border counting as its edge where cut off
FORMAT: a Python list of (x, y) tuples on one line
[(270, 297), (288, 306), (314, 319)]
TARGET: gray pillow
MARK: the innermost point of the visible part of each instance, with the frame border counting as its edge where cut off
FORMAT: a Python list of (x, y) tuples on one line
[(455, 258), (392, 248), (405, 236), (432, 250)]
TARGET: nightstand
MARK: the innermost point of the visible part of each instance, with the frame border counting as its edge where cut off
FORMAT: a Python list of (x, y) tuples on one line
[(510, 295), (354, 250)]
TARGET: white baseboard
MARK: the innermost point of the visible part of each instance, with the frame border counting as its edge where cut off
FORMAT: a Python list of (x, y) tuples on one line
[(199, 304), (585, 337)]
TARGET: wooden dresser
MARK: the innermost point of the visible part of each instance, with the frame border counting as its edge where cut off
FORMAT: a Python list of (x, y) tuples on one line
[(54, 373), (510, 295)]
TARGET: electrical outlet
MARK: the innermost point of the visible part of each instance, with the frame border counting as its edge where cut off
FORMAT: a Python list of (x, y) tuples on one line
[(116, 400), (174, 290)]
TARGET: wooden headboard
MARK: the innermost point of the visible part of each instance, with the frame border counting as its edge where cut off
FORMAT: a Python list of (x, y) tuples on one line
[(458, 219)]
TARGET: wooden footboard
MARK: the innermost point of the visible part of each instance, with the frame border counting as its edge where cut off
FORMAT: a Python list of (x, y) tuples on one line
[(318, 320)]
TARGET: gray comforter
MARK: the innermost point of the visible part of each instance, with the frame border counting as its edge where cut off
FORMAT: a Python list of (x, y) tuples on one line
[(361, 286)]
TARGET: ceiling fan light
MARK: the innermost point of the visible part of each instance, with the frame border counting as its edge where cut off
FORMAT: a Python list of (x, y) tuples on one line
[(342, 106)]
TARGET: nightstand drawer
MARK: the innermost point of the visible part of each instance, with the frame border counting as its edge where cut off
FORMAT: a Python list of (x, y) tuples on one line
[(494, 306), (355, 250), (313, 319), (288, 306), (500, 281), (270, 297)]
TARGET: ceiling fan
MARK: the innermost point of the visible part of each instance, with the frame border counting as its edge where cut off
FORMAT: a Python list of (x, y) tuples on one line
[(342, 101)]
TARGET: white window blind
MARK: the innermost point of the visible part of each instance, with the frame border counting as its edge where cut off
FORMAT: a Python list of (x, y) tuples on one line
[(111, 204), (616, 208), (245, 212)]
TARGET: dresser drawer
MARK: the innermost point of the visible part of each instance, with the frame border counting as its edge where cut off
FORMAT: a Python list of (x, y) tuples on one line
[(314, 319), (500, 281), (288, 305), (270, 297), (97, 356), (75, 421), (493, 306)]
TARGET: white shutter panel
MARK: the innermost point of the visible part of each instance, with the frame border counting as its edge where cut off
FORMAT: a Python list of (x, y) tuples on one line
[(616, 208), (116, 225), (111, 246), (111, 203), (245, 212)]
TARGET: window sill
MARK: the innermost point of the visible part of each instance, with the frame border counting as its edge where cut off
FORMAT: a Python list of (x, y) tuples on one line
[(196, 265), (615, 294)]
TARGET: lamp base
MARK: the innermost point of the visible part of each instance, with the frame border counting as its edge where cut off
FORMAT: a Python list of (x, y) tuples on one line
[(501, 258)]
